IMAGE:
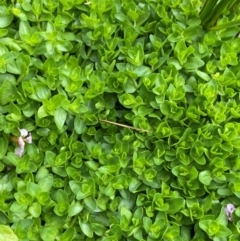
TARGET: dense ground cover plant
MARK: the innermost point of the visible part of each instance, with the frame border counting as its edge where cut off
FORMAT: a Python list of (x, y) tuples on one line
[(75, 75)]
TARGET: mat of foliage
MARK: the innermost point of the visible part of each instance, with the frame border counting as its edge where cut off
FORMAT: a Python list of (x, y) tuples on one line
[(67, 67)]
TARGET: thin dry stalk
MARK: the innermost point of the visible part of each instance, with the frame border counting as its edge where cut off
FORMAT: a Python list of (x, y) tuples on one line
[(123, 125)]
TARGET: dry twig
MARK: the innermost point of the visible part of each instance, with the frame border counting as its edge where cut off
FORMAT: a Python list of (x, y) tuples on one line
[(123, 125)]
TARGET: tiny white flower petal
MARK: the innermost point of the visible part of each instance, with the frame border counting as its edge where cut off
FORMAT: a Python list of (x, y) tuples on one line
[(229, 209), (21, 145), (21, 141), (23, 132), (29, 138), (20, 151)]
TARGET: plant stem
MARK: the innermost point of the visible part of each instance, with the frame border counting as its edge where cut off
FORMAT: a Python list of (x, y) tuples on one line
[(73, 221), (123, 125)]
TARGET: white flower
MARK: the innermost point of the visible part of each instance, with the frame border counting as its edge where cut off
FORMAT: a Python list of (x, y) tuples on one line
[(25, 137), (21, 145), (23, 132), (229, 209), (29, 138), (20, 151)]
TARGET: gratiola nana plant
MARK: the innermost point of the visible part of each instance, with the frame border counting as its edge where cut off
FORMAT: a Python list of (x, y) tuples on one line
[(133, 109)]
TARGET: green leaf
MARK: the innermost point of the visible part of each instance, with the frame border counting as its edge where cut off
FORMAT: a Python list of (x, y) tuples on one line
[(61, 21), (90, 21), (60, 117), (175, 204), (163, 130), (90, 119), (212, 228), (3, 147), (50, 67), (5, 17), (75, 209), (193, 32), (42, 91), (86, 229), (15, 113), (62, 158), (46, 182), (205, 177), (226, 25), (79, 124), (75, 186), (24, 30), (129, 101), (48, 233), (6, 233), (8, 92), (35, 210), (43, 198), (68, 235), (136, 55), (193, 63)]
